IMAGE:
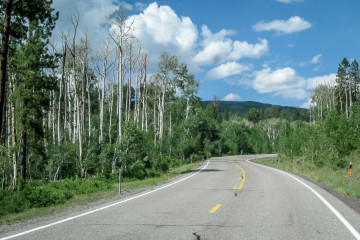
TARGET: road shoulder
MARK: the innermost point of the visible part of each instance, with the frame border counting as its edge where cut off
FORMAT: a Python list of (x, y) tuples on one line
[(350, 201)]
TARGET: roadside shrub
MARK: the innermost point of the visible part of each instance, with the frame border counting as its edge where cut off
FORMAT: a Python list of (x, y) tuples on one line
[(37, 194), (136, 170), (152, 172)]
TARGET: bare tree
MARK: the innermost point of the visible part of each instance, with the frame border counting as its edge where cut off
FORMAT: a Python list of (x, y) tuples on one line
[(144, 122), (105, 54), (120, 32)]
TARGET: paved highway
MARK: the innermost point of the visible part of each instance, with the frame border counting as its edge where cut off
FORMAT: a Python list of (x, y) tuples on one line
[(226, 198)]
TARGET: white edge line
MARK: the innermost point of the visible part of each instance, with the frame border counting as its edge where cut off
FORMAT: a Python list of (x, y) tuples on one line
[(102, 208), (337, 214)]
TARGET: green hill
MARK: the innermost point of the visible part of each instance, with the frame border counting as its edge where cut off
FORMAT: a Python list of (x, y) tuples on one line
[(243, 107), (290, 113)]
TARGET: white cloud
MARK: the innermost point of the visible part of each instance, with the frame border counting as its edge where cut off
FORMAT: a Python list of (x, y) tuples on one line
[(244, 49), (316, 58), (161, 25), (288, 1), (209, 37), (218, 48), (312, 83), (214, 52), (227, 69), (231, 97), (281, 82), (293, 24)]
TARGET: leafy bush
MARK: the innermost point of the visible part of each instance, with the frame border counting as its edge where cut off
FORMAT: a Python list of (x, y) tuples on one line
[(136, 170), (37, 194)]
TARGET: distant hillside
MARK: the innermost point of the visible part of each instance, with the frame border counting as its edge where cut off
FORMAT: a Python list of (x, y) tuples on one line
[(244, 107)]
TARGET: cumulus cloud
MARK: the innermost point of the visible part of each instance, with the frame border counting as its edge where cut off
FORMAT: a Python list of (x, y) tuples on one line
[(244, 49), (292, 25), (227, 69), (218, 48), (288, 1), (160, 25), (316, 58), (280, 82), (285, 82), (231, 97), (216, 51), (312, 83)]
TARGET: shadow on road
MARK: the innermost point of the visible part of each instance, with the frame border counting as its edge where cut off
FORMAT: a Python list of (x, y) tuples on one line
[(205, 170)]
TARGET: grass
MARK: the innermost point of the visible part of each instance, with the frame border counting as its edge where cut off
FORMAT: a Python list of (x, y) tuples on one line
[(84, 199), (338, 178)]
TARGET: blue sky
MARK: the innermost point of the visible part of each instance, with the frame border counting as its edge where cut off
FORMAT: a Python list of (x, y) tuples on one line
[(270, 51)]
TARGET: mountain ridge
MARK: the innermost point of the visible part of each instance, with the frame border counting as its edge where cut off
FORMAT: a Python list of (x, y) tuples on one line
[(242, 107)]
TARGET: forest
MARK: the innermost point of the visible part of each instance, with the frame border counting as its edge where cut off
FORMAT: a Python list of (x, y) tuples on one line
[(71, 115)]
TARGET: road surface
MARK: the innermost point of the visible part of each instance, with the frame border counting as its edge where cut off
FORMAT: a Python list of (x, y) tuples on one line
[(226, 198)]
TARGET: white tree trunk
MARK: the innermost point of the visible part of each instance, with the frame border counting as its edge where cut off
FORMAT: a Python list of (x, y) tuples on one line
[(120, 93), (111, 106), (103, 77)]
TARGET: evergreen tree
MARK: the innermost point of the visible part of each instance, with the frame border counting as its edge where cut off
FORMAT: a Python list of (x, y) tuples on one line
[(30, 69)]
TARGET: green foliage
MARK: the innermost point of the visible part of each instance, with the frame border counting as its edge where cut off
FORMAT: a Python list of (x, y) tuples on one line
[(133, 147), (234, 138), (326, 143), (254, 115), (37, 194), (259, 141), (270, 111)]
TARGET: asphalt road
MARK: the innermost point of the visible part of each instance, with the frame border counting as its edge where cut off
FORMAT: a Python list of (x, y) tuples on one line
[(227, 198)]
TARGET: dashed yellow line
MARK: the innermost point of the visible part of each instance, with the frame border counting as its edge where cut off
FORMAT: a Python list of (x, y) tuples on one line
[(215, 208), (235, 187)]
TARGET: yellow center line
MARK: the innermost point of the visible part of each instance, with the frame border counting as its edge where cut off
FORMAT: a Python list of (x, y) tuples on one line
[(235, 187), (242, 178), (215, 208)]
